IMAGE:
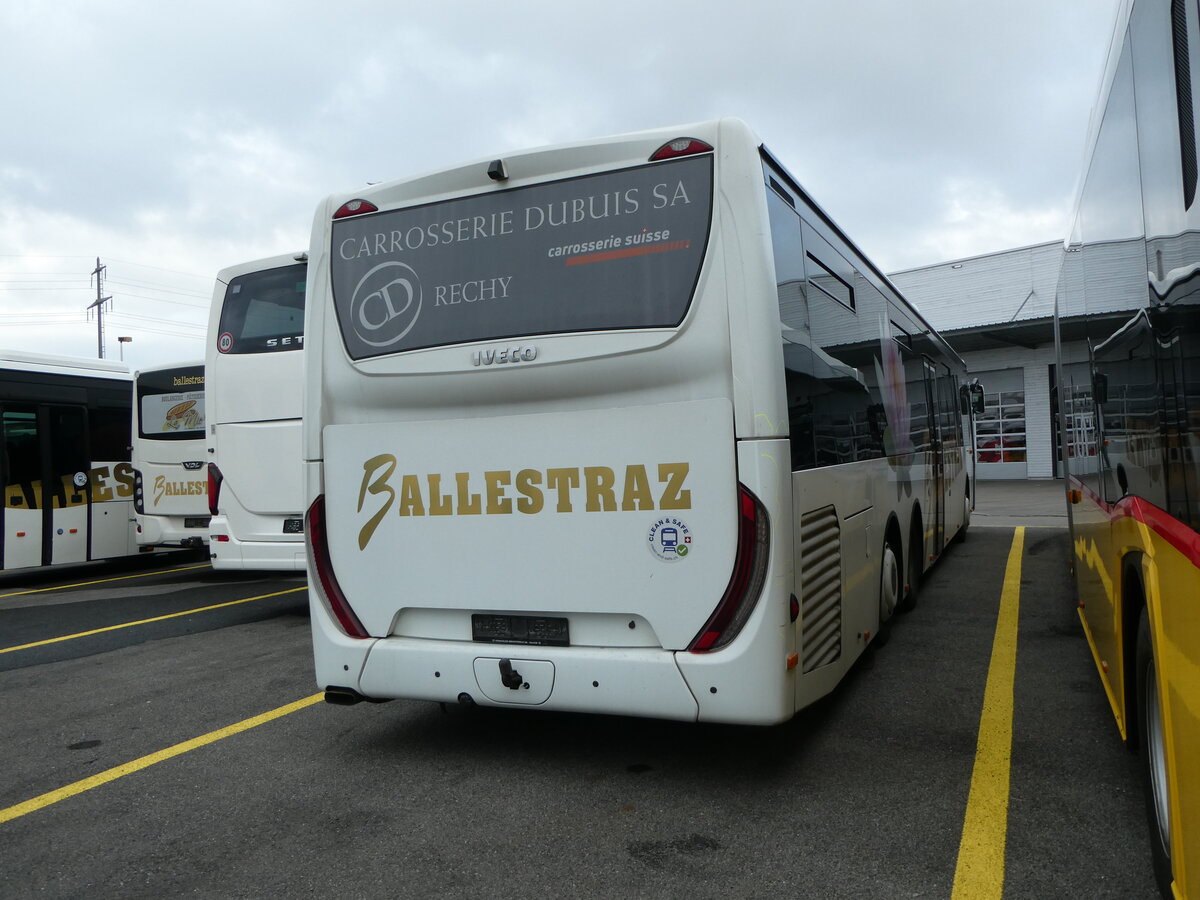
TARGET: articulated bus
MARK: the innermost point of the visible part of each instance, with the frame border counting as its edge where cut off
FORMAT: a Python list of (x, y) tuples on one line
[(627, 426), (252, 399), (1129, 382), (64, 460), (170, 484)]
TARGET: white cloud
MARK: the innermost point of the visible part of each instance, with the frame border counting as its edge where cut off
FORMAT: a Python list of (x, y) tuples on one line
[(195, 141), (977, 217)]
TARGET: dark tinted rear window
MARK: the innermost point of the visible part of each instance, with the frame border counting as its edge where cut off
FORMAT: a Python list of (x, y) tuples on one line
[(264, 311), (611, 251)]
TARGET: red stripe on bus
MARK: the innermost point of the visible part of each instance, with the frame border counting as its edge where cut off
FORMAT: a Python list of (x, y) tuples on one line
[(626, 252), (1179, 535)]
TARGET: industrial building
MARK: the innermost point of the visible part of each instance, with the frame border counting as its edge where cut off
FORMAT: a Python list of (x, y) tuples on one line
[(997, 310)]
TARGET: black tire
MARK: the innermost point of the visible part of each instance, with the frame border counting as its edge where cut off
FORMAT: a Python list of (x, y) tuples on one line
[(891, 590), (1152, 756)]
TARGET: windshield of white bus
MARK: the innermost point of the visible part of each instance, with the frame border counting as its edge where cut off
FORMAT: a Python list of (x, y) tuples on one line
[(617, 250), (264, 311), (170, 404)]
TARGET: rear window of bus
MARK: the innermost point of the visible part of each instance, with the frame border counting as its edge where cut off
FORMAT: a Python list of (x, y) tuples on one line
[(617, 250), (264, 311), (170, 404)]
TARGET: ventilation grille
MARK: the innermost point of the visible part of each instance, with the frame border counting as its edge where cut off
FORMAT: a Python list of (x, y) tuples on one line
[(820, 587)]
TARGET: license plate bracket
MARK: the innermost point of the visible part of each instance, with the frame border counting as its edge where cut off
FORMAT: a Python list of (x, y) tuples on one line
[(491, 628)]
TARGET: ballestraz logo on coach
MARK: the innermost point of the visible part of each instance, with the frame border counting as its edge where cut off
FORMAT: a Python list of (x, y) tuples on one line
[(386, 304)]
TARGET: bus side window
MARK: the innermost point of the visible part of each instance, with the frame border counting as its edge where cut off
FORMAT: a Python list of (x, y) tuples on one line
[(791, 290)]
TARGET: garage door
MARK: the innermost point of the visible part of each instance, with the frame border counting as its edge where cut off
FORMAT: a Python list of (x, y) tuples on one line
[(1000, 432)]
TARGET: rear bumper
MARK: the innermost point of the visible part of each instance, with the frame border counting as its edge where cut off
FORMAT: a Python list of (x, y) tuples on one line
[(232, 554), (631, 682), (169, 531)]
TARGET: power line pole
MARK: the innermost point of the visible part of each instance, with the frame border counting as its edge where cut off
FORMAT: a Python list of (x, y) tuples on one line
[(98, 306)]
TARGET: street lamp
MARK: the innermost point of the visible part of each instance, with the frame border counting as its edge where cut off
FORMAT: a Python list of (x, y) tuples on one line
[(123, 341)]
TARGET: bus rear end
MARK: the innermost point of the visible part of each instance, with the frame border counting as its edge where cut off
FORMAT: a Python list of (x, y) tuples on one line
[(170, 494), (254, 367), (525, 480)]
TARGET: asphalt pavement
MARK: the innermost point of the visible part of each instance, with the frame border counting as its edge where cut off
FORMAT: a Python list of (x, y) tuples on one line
[(1037, 502), (164, 740)]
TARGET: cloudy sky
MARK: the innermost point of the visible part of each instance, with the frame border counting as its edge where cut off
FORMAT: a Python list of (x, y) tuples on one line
[(169, 140)]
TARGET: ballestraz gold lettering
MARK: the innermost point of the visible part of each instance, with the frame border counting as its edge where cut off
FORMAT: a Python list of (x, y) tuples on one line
[(502, 492), (164, 488)]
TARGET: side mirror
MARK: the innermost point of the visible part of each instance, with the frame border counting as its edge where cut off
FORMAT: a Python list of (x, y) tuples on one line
[(970, 398), (1099, 387)]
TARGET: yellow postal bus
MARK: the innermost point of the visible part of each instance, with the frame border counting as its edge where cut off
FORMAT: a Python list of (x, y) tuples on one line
[(1129, 382)]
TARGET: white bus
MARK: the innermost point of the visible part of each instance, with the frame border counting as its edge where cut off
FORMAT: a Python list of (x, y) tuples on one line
[(64, 460), (170, 493), (253, 371), (627, 426)]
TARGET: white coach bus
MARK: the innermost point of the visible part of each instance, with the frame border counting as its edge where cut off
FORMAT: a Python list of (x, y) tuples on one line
[(627, 426), (170, 485), (253, 370), (64, 460)]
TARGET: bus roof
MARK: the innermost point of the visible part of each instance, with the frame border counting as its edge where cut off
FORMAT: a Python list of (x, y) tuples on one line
[(257, 265), (48, 362), (165, 367)]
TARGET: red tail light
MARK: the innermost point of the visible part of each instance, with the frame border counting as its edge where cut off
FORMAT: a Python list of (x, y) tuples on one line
[(214, 488), (746, 582), (684, 146), (355, 208), (318, 548)]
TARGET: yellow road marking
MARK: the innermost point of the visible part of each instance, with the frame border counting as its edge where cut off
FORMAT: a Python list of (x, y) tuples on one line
[(78, 787), (174, 615), (980, 869), (63, 587)]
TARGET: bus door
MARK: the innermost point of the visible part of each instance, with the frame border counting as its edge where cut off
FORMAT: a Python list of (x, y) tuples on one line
[(45, 484), (937, 461)]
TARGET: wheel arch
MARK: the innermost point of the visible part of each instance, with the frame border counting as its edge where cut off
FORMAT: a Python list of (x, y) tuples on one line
[(1132, 602), (916, 537)]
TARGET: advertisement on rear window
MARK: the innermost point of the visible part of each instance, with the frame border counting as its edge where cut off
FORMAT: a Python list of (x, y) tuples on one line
[(612, 251), (173, 414)]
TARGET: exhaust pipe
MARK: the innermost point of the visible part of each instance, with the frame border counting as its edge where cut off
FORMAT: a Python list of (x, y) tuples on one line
[(344, 696)]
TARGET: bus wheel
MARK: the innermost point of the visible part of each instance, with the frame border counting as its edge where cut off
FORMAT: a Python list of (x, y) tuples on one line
[(1153, 756), (890, 589)]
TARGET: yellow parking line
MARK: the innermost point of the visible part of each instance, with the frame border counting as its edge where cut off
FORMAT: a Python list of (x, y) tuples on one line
[(980, 869), (63, 587), (174, 615), (78, 787)]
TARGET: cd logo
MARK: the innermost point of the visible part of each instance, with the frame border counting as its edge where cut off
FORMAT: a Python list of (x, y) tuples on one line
[(385, 304)]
